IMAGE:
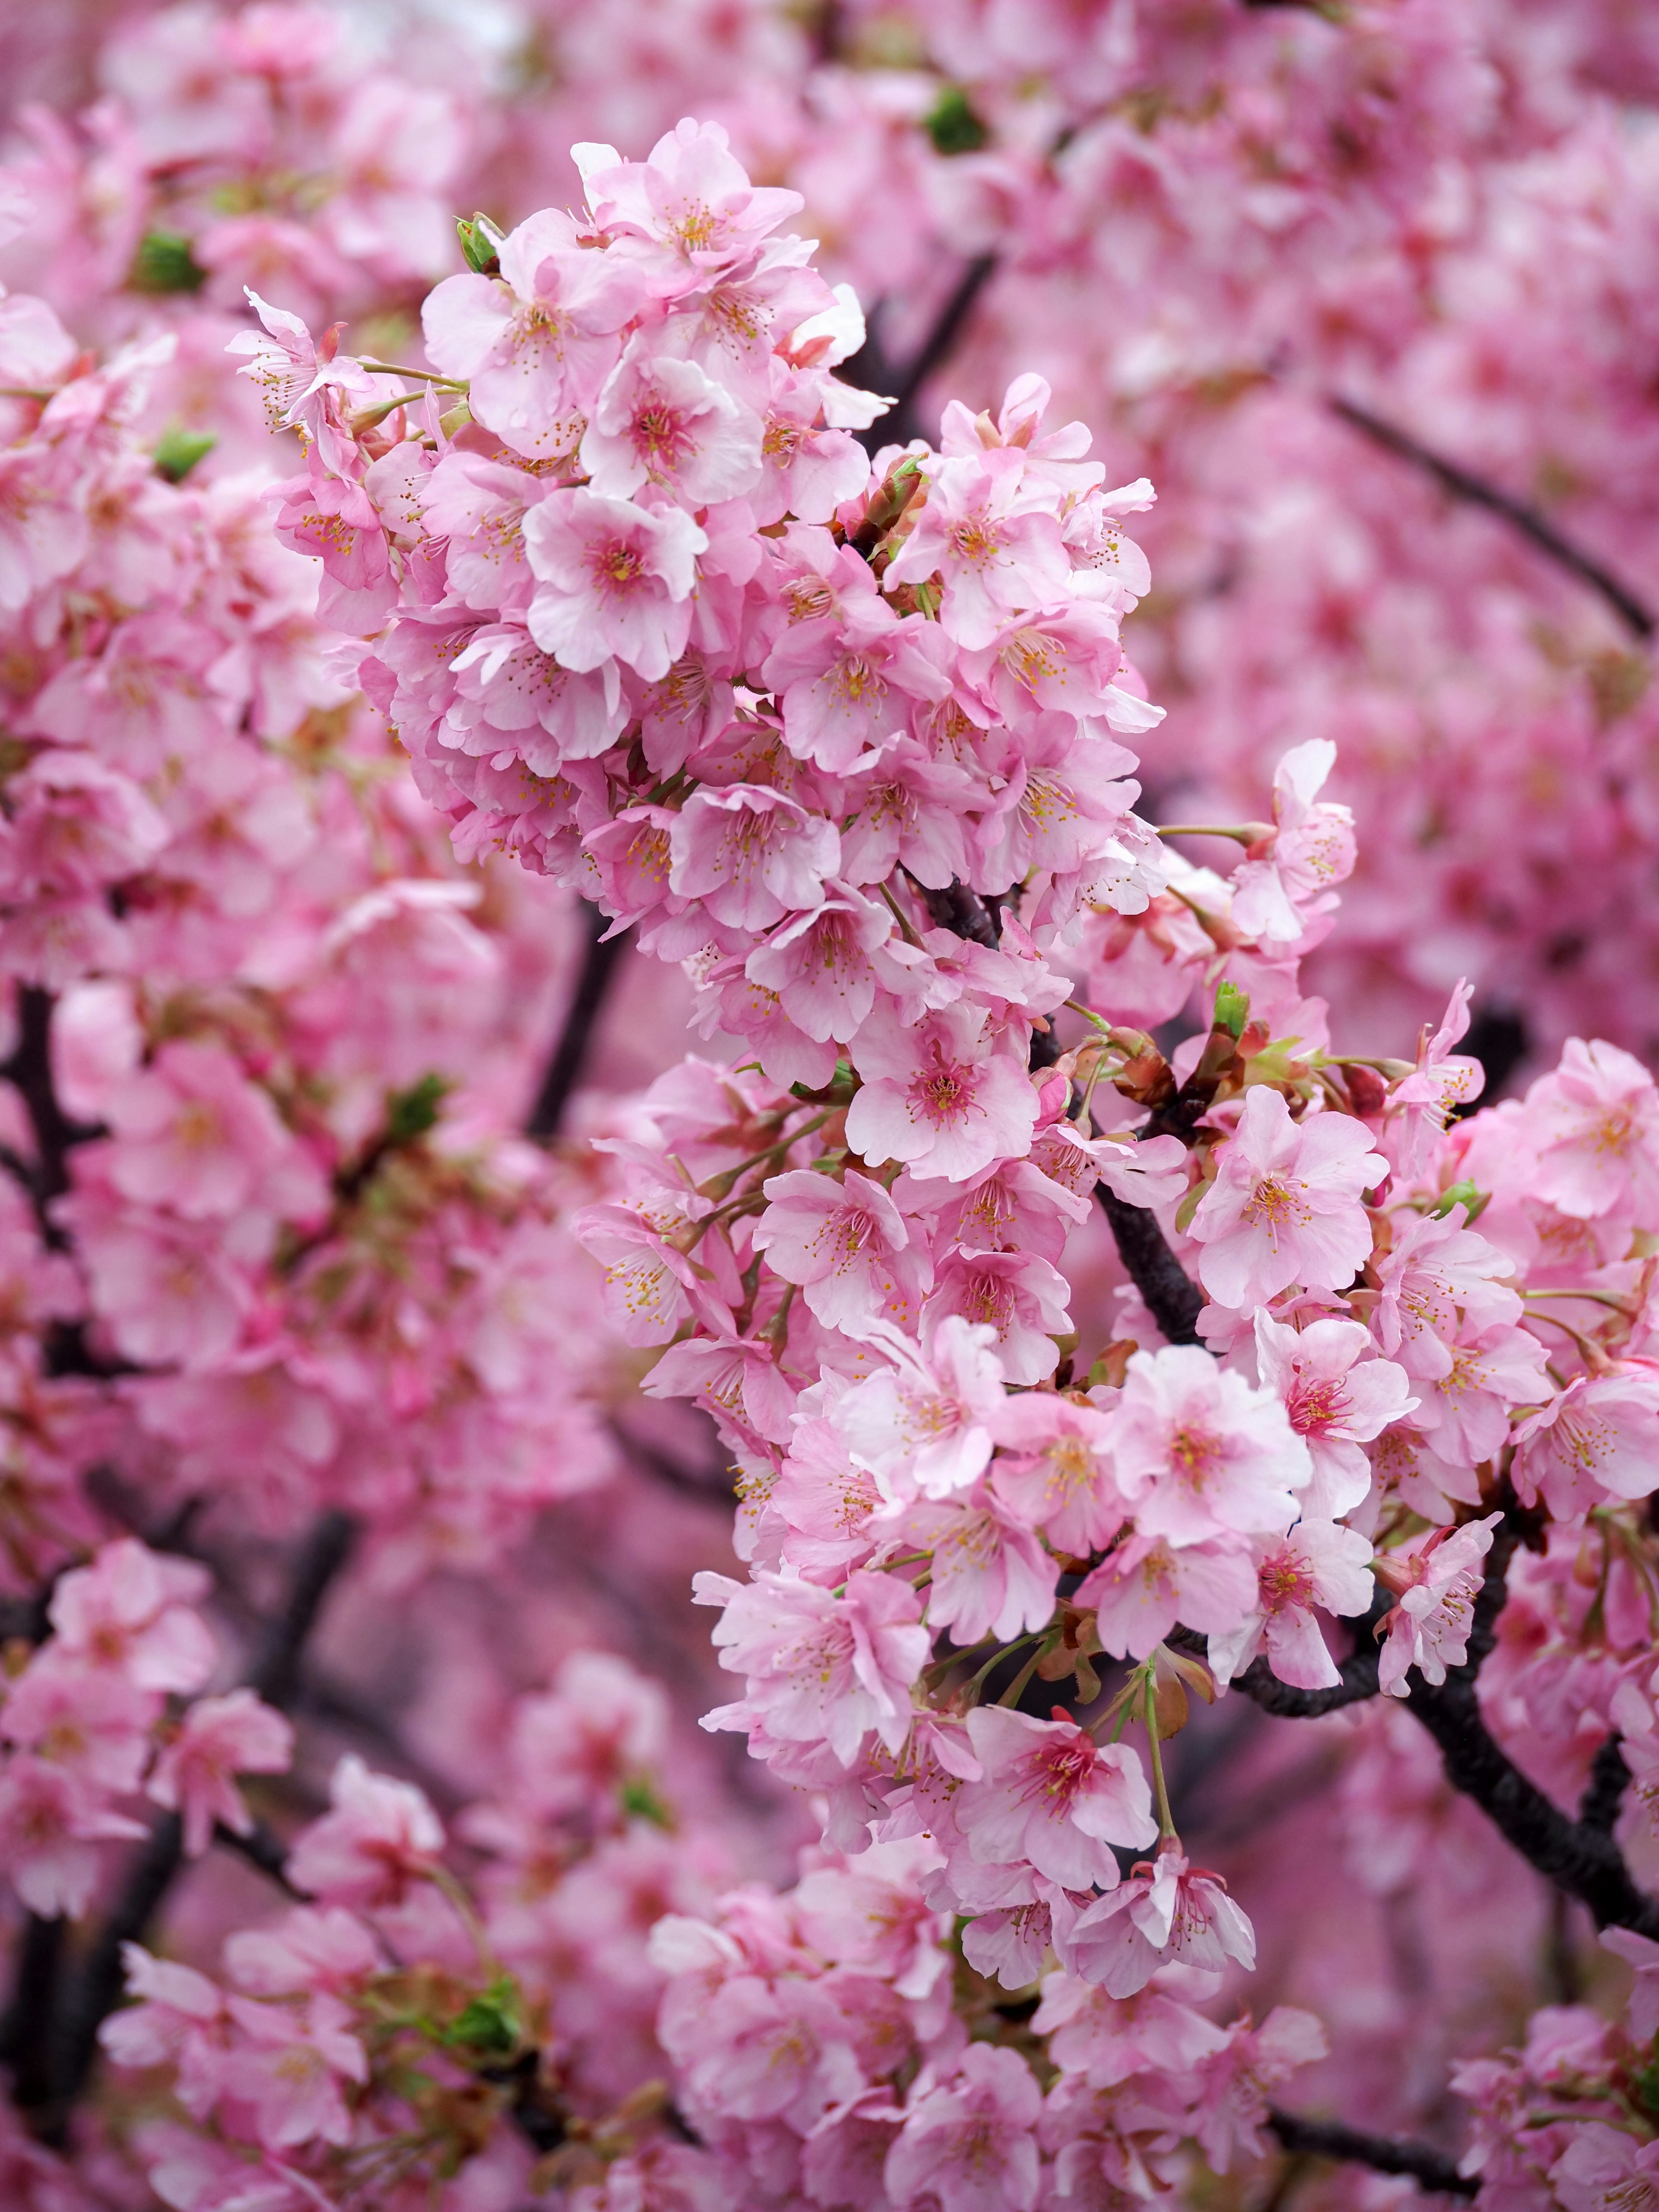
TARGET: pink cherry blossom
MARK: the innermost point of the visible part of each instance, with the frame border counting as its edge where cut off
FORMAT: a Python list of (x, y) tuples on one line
[(614, 578), (820, 1667), (1144, 1586), (986, 535), (940, 1097), (1337, 1400), (379, 1839), (845, 1242), (1198, 1450), (132, 1611), (1167, 1911), (218, 1739), (1318, 1563), (1053, 1796), (661, 421), (750, 855), (969, 2141), (1285, 1204), (1436, 1582), (927, 1423)]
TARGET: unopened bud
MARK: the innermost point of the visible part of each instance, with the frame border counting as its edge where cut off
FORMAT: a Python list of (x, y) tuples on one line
[(178, 451), (480, 245), (165, 263), (1232, 1008)]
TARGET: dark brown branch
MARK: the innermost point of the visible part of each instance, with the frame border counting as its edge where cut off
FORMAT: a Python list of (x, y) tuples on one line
[(1635, 615), (600, 957), (1173, 1299), (1430, 2168), (871, 370), (1604, 1792)]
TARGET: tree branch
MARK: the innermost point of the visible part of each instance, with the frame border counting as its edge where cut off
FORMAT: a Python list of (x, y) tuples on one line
[(1636, 615), (869, 368), (600, 957), (70, 2040), (1604, 1792), (1173, 1299), (1430, 2168)]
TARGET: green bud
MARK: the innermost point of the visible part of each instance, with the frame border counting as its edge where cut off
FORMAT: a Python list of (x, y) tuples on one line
[(178, 451), (1232, 1009), (479, 242), (640, 1802), (1462, 1194), (410, 1114), (164, 262), (490, 2022), (953, 126)]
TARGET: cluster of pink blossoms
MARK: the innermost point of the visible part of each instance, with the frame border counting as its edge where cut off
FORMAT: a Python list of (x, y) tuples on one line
[(838, 735)]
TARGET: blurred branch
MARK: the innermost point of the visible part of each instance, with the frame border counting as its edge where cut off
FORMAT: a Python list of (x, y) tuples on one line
[(600, 957), (1636, 618), (871, 370), (1430, 2168), (63, 2027)]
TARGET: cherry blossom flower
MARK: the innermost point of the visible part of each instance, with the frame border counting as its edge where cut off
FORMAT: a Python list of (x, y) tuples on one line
[(1285, 1204), (939, 1097), (1162, 1913), (1318, 1563), (379, 1839), (1053, 1796), (820, 1667), (845, 1242), (614, 578), (218, 1739), (133, 1610), (997, 551), (1436, 1583), (969, 2141), (1198, 1450), (1337, 1400)]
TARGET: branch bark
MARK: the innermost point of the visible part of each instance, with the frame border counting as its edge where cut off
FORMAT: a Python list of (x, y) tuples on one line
[(1636, 616), (1173, 1299), (870, 368), (1430, 2168), (600, 958)]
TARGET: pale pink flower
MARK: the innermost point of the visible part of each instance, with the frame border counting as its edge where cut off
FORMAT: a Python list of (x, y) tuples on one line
[(819, 963), (1436, 1266), (750, 855), (845, 1242), (614, 580), (538, 343), (1593, 1441), (1108, 2039), (1641, 1955), (1421, 1103), (1337, 1400), (847, 680), (511, 696), (309, 1948), (477, 507), (1199, 1450), (1465, 1412), (1020, 1297), (1286, 1205), (1311, 851), (1055, 1470), (969, 2142), (1142, 1588), (574, 1747), (927, 1423), (1233, 2102), (985, 531), (50, 1824), (178, 2021), (1053, 1797), (858, 1917), (77, 826), (93, 1723), (133, 1610), (218, 1739), (991, 1577), (939, 1095), (821, 1668), (1319, 1563), (287, 2066), (661, 421), (1436, 1583), (690, 201), (1605, 2169), (381, 1840), (192, 1133), (1595, 1123), (169, 1291), (1163, 1914)]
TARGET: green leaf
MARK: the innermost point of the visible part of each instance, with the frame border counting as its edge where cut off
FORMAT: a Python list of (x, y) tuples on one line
[(410, 1114), (953, 126), (164, 262), (178, 450), (1232, 1009)]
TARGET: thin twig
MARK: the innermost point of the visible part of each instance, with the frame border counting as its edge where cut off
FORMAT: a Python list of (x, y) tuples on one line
[(870, 368), (1636, 615), (600, 958)]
